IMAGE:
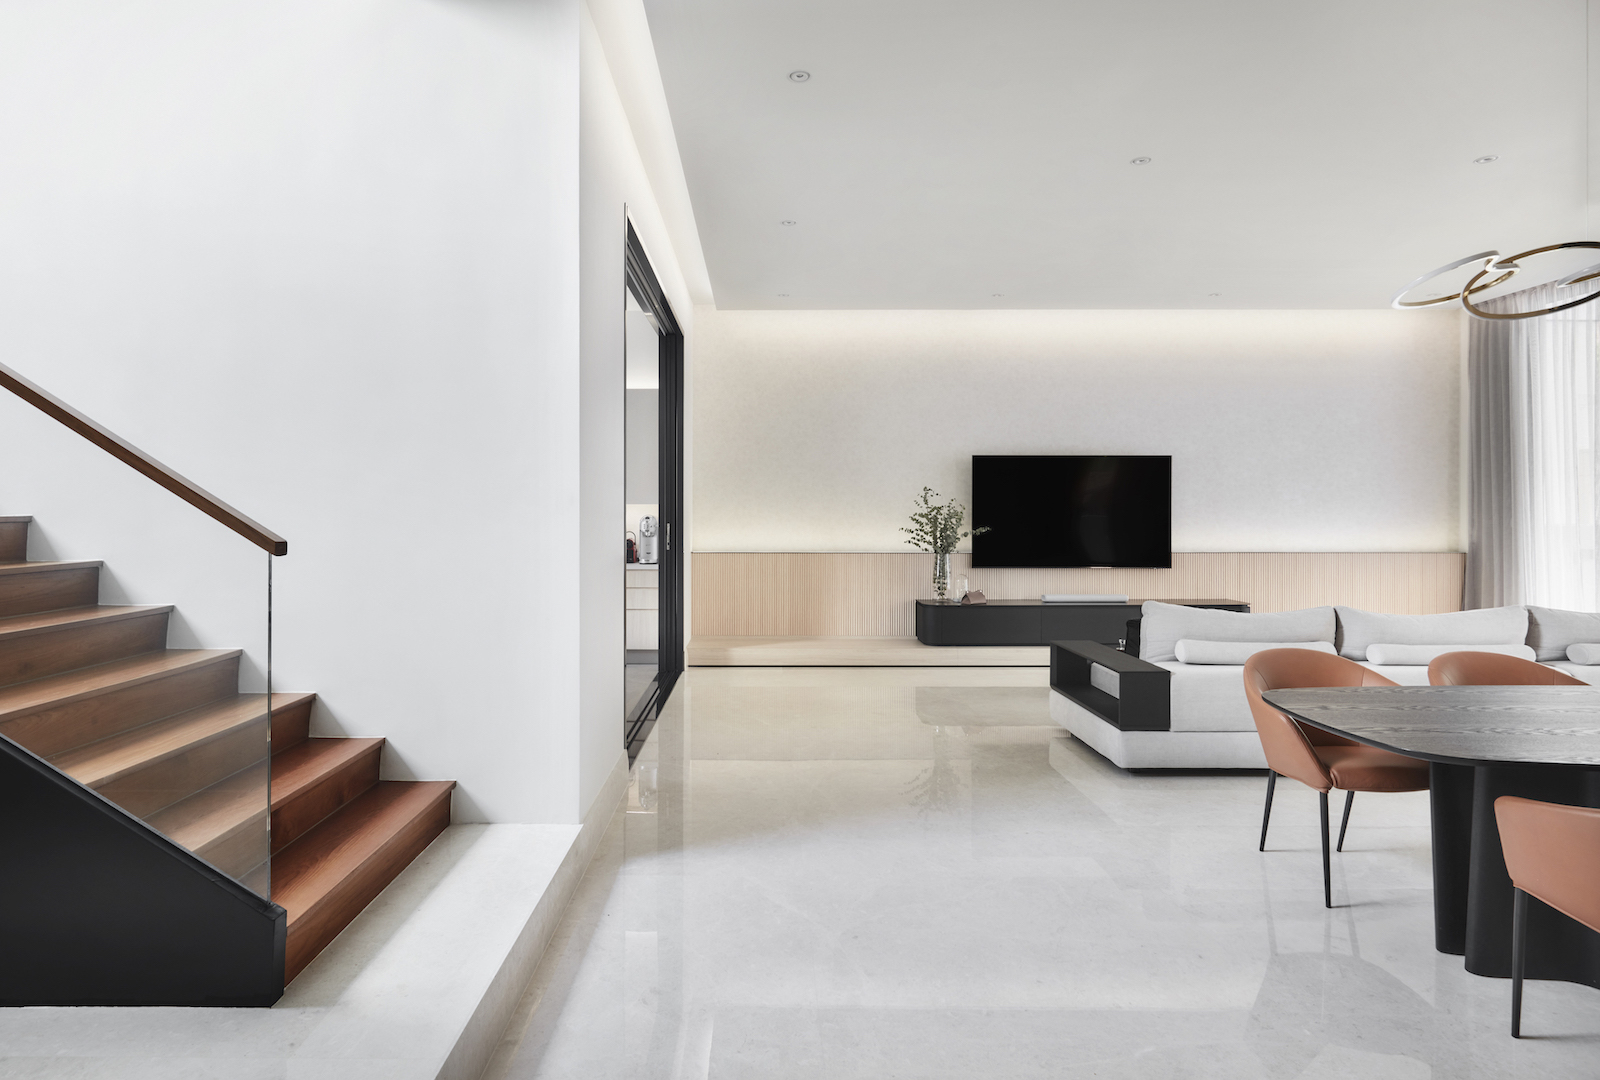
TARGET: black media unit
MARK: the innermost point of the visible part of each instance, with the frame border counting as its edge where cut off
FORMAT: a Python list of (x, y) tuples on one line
[(1033, 622)]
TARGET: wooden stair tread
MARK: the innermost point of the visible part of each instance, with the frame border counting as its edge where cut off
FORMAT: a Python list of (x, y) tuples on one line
[(23, 698), (106, 760), (310, 871), (45, 567), (305, 764), (44, 622), (209, 817)]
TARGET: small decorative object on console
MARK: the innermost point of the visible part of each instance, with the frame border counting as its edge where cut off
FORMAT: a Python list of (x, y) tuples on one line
[(936, 527), (648, 530), (974, 597)]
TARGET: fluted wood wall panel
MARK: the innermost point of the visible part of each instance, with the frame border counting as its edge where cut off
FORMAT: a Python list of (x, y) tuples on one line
[(869, 594)]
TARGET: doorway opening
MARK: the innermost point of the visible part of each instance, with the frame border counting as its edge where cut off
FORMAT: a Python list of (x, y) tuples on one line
[(652, 498)]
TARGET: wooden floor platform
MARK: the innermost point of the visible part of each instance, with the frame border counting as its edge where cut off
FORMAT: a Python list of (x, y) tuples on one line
[(856, 652)]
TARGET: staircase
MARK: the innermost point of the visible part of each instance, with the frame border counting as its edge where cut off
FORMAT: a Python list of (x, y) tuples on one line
[(165, 735)]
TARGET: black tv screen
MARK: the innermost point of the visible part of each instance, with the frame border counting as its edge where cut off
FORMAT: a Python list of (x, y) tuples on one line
[(1105, 510)]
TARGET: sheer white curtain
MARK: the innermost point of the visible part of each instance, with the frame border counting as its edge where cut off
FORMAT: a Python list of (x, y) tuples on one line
[(1535, 417)]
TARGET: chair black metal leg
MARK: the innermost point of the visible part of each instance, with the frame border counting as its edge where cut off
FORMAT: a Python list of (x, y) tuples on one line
[(1327, 862), (1349, 797), (1519, 933), (1266, 815)]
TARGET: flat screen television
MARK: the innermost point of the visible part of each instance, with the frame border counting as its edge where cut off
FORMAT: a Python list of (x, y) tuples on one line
[(1091, 510)]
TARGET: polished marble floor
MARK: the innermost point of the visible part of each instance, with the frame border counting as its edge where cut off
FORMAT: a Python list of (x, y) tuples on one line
[(908, 873)]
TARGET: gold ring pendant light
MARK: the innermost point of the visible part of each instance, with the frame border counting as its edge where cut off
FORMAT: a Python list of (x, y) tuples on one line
[(1503, 270)]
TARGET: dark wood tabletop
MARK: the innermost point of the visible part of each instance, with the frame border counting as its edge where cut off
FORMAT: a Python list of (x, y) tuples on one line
[(1459, 725)]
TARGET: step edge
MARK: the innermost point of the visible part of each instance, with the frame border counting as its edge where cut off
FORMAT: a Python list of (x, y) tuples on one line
[(259, 813), (47, 566), (425, 805), (203, 657), (107, 613), (257, 713), (328, 771), (132, 736)]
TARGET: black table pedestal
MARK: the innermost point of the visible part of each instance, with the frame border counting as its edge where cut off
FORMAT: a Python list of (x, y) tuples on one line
[(1472, 892)]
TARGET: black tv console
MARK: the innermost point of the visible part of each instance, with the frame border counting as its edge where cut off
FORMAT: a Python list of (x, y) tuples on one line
[(1033, 622)]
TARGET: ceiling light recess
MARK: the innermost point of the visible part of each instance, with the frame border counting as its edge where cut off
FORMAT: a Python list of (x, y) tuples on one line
[(1485, 159), (786, 221), (1140, 161), (799, 76)]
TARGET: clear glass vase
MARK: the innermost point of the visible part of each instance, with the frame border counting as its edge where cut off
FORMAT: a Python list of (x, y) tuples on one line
[(941, 576)]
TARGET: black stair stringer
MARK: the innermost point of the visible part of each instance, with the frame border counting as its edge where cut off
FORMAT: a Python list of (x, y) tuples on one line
[(98, 908)]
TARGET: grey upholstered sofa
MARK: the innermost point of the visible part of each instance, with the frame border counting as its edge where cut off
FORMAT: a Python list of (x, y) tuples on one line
[(1186, 707)]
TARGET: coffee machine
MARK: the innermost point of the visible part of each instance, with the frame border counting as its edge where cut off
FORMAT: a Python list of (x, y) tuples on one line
[(648, 538)]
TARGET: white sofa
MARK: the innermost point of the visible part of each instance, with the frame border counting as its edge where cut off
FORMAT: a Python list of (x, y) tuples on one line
[(1206, 722)]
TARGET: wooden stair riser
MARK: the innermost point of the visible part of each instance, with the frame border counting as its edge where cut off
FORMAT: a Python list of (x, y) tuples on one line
[(294, 818), (311, 929), (291, 726), (73, 646), (174, 778), (14, 539), (49, 590), (59, 728)]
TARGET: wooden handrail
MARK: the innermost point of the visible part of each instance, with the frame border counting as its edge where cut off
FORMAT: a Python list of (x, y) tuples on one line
[(117, 447)]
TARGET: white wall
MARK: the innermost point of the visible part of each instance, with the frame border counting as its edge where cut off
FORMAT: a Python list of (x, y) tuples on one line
[(1289, 430), (319, 255), (613, 182)]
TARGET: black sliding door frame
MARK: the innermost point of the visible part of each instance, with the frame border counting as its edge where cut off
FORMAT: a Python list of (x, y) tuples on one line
[(641, 281)]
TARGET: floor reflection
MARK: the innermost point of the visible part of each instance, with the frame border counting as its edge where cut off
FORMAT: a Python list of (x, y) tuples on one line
[(891, 872)]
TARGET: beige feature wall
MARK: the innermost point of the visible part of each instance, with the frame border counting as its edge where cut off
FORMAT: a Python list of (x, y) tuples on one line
[(871, 594)]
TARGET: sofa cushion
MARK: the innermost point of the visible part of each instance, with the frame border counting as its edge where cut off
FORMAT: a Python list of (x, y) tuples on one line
[(1382, 653), (1584, 653), (1402, 674), (1208, 697), (1463, 629), (1192, 651), (1551, 631), (1163, 625)]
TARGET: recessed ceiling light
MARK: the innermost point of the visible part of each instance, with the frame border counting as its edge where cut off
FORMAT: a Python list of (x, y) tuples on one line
[(1485, 159), (799, 76), (1140, 161), (1214, 294), (785, 223), (783, 294), (997, 294)]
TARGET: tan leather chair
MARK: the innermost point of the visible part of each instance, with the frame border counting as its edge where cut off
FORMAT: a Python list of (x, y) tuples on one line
[(1314, 757), (1493, 669), (1552, 852)]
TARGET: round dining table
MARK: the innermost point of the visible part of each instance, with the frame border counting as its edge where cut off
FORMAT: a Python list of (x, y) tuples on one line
[(1481, 742)]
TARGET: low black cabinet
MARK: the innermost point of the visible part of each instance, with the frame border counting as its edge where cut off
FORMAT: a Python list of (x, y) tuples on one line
[(1033, 622)]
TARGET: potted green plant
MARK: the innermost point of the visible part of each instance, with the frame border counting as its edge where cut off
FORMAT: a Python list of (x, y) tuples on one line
[(936, 527)]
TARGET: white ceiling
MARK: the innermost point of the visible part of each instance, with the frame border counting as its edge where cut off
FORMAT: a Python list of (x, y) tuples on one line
[(1304, 155)]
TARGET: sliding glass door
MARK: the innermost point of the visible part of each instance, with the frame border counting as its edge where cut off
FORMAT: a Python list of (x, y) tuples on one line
[(653, 497)]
